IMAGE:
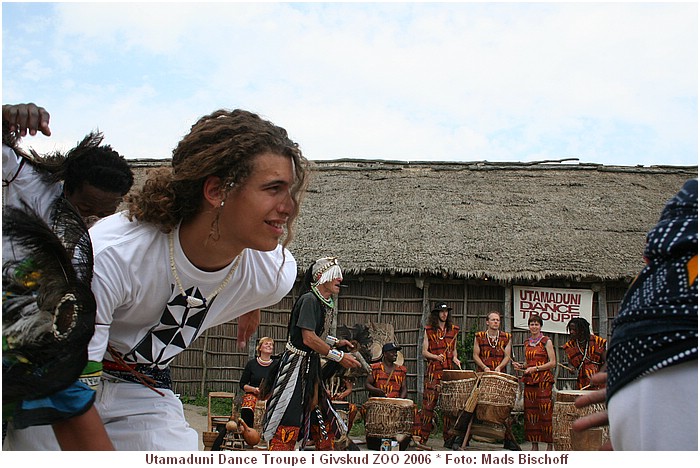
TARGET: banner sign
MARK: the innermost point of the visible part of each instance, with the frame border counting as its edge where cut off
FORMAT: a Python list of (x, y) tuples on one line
[(555, 306)]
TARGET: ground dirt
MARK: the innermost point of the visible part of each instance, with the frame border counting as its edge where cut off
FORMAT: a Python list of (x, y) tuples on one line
[(197, 418)]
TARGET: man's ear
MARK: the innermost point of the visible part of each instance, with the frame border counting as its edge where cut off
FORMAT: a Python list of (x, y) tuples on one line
[(213, 191)]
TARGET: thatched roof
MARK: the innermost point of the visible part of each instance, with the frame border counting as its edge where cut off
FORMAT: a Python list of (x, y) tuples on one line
[(502, 221)]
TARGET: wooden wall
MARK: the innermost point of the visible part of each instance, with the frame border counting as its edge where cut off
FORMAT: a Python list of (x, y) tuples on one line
[(214, 362)]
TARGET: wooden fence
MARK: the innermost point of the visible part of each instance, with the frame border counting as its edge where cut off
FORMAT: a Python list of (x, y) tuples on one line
[(215, 362)]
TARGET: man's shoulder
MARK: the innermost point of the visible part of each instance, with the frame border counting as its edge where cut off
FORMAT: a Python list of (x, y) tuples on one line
[(375, 365), (308, 298), (118, 229)]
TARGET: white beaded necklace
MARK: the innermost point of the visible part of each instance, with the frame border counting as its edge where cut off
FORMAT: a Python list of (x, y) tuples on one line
[(584, 353), (195, 301), (327, 302), (495, 339)]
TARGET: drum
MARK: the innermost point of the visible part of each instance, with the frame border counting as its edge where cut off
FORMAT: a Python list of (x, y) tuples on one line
[(455, 393), (258, 415), (387, 417), (497, 392), (451, 374), (565, 413), (343, 410)]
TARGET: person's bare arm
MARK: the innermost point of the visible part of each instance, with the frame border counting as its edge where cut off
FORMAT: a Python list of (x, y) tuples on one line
[(83, 432), (427, 354), (509, 351), (597, 419), (247, 323), (371, 389), (322, 348), (403, 393), (476, 355)]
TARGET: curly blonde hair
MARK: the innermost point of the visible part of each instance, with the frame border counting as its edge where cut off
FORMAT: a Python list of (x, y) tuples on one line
[(223, 144)]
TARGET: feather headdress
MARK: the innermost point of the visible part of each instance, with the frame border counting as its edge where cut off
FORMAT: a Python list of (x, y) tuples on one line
[(48, 309)]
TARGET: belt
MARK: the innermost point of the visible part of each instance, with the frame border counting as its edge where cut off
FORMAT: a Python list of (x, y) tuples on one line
[(292, 349), (113, 366)]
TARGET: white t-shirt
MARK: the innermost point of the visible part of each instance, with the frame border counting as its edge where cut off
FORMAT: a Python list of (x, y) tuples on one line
[(26, 186), (140, 310)]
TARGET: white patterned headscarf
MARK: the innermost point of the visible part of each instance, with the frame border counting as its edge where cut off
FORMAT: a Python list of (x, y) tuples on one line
[(326, 269)]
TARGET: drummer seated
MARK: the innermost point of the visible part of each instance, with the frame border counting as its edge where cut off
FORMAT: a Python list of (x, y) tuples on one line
[(341, 396), (386, 378)]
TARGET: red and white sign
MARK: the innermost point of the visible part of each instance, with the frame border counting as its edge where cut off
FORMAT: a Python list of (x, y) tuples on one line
[(556, 306)]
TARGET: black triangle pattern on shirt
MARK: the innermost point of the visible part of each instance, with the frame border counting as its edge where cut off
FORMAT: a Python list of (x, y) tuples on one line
[(178, 327)]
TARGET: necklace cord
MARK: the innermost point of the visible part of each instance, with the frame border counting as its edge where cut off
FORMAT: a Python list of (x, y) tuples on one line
[(195, 301)]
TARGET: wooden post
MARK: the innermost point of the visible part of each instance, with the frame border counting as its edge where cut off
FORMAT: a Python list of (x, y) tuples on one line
[(204, 362), (508, 309), (603, 325), (420, 360)]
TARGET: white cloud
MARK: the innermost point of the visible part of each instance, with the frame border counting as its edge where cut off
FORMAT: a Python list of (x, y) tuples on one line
[(395, 81)]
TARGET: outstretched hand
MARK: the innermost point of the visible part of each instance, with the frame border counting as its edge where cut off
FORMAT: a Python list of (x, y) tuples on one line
[(247, 323), (597, 419), (23, 118), (349, 361)]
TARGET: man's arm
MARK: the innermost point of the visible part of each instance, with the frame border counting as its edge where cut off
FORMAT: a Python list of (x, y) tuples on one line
[(427, 354), (83, 432), (373, 391), (314, 342), (508, 350), (247, 323), (476, 354)]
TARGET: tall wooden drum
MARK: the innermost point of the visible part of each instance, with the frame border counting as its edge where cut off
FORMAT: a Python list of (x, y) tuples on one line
[(258, 415), (455, 393), (497, 392), (387, 417), (565, 413), (457, 374)]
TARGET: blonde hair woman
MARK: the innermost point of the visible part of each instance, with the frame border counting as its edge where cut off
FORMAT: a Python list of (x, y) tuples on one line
[(256, 371)]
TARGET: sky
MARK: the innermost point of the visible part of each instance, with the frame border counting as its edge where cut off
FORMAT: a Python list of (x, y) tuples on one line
[(606, 83)]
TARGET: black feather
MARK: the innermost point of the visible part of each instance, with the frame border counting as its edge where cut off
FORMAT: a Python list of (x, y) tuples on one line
[(360, 337), (48, 309)]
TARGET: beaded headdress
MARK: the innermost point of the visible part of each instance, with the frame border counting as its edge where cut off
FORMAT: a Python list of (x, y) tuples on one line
[(326, 269)]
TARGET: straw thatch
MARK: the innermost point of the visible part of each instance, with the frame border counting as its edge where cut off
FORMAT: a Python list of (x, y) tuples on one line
[(474, 220)]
